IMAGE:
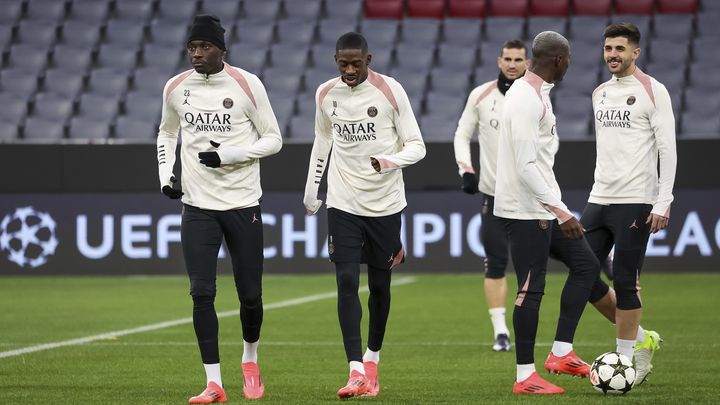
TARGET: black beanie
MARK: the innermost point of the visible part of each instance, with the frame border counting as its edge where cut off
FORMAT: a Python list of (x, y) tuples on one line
[(207, 28)]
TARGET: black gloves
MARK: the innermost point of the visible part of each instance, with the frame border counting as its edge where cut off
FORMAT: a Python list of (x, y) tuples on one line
[(172, 192), (470, 183), (210, 159)]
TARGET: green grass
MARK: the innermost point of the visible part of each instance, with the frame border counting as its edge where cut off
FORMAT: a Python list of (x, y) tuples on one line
[(437, 348)]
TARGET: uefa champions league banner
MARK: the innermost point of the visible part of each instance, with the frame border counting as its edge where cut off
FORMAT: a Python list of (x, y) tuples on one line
[(139, 233)]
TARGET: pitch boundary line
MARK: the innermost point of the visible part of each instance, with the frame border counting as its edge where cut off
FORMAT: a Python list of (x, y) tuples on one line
[(182, 321)]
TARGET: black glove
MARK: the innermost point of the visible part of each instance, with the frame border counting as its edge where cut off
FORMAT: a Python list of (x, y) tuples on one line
[(172, 192), (210, 159), (470, 183)]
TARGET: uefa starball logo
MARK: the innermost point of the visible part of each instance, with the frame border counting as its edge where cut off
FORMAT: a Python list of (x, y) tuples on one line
[(28, 237)]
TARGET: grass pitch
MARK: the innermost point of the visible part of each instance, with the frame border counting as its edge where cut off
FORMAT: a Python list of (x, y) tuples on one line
[(437, 348)]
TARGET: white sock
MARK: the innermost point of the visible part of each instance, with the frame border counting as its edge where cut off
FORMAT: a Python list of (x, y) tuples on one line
[(497, 316), (250, 351), (357, 366), (640, 335), (524, 371), (626, 347), (371, 356), (212, 372), (561, 348)]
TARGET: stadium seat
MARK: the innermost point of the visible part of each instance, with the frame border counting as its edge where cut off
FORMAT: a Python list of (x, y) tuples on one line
[(181, 11), (31, 59), (586, 28), (50, 11), (12, 10), (549, 7), (499, 29), (704, 75), (573, 128), (98, 107), (580, 81), (261, 10), (117, 57), (673, 26), (108, 81), (137, 10), (677, 6), (446, 106), (14, 109), (592, 7), (302, 9), (278, 81), (462, 31), (227, 10), (165, 57), (315, 77), (439, 128), (704, 51), (420, 31), (168, 33), (81, 127), (289, 57), (9, 132), (91, 11), (667, 74), (72, 58), (489, 52), (426, 8), (455, 57), (414, 82), (42, 129), (700, 125), (52, 107), (125, 33), (484, 73), (702, 101), (449, 82), (322, 53), (707, 25), (283, 105), (81, 33), (60, 82), (254, 32), (467, 8), (151, 80), (638, 7), (131, 129), (414, 58), (586, 55), (537, 25), (509, 8), (568, 104), (379, 32), (294, 31), (391, 9), (641, 21), (669, 51), (710, 5), (6, 35), (330, 30), (247, 56), (382, 59), (347, 10), (302, 127), (36, 32)]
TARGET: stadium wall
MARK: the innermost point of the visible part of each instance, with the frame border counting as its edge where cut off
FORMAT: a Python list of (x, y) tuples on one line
[(96, 209)]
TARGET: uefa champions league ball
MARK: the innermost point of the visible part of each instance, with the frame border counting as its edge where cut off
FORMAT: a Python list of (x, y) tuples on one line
[(612, 373)]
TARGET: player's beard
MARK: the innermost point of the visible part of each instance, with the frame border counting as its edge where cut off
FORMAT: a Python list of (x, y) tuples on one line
[(622, 65)]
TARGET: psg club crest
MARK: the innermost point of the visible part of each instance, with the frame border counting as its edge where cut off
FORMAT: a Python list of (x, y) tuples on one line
[(372, 112), (228, 103), (631, 100)]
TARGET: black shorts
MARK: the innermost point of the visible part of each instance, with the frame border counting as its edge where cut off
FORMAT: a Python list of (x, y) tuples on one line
[(371, 240), (493, 236)]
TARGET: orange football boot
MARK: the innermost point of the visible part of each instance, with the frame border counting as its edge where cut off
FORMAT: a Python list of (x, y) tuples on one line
[(253, 386), (213, 393), (371, 373), (536, 385), (357, 385), (568, 364)]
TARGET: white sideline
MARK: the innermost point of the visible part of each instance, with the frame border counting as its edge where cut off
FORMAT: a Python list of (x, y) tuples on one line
[(182, 321)]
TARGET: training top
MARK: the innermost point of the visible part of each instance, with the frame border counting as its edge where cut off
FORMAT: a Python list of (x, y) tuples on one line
[(634, 126), (526, 186), (353, 124), (231, 108), (482, 111)]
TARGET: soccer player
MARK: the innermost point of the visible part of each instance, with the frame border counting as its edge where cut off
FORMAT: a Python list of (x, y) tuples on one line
[(635, 131), (364, 122), (227, 125), (483, 111), (538, 223)]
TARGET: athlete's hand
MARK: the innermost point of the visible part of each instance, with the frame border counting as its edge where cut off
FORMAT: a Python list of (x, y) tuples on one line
[(470, 183), (171, 192), (657, 222), (312, 205), (572, 228), (375, 164)]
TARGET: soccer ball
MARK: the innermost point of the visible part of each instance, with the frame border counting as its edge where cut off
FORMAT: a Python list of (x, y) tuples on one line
[(28, 237), (612, 373)]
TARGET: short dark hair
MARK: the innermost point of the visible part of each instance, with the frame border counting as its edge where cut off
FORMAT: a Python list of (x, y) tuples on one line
[(514, 44), (351, 40), (623, 29)]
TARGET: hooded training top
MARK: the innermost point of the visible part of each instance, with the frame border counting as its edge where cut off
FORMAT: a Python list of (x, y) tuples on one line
[(231, 108), (482, 111), (372, 119), (525, 186), (634, 126)]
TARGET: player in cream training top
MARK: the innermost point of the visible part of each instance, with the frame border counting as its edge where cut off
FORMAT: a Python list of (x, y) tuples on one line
[(364, 121), (227, 125), (635, 131), (537, 221), (483, 112)]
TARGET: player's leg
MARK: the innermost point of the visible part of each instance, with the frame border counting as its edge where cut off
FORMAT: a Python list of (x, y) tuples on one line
[(201, 237), (584, 270), (631, 237), (244, 238), (600, 239), (345, 247), (382, 251), (529, 247), (495, 242)]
